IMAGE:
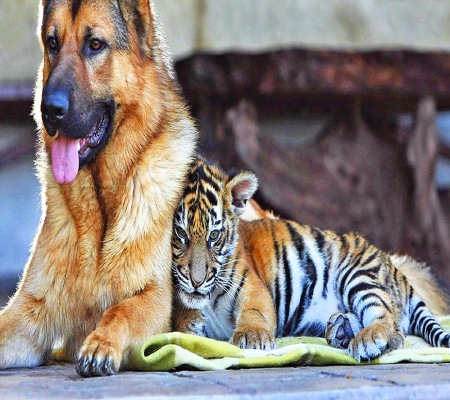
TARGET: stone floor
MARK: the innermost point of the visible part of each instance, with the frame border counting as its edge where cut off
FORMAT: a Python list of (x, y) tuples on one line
[(403, 381)]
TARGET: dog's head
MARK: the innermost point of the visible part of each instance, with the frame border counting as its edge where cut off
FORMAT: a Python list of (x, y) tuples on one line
[(95, 53)]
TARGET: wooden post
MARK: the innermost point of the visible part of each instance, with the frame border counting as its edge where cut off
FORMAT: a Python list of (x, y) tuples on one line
[(422, 152)]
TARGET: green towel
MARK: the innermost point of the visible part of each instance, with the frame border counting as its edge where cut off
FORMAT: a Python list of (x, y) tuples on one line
[(168, 351)]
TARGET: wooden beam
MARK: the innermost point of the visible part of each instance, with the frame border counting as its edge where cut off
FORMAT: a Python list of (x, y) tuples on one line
[(299, 72)]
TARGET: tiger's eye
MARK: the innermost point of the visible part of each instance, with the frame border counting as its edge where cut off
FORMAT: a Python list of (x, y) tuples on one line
[(214, 235), (180, 232)]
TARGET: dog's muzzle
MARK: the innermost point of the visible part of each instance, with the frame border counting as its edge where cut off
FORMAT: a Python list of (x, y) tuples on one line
[(80, 123)]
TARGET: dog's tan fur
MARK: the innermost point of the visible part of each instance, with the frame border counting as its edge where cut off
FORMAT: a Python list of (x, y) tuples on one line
[(98, 279)]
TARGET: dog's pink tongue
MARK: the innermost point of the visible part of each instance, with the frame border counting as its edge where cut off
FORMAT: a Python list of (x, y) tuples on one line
[(65, 161)]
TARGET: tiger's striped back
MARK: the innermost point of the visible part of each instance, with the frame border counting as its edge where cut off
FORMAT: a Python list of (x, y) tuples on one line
[(273, 277)]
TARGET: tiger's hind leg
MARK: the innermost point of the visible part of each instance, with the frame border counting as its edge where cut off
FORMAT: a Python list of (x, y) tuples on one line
[(341, 329)]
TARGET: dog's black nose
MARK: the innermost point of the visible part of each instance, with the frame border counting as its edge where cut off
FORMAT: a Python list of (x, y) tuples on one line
[(54, 107)]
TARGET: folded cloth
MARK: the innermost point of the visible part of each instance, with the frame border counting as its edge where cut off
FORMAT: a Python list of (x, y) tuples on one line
[(176, 350)]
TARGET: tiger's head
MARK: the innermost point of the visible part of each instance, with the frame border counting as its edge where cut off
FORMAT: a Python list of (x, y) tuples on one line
[(205, 231)]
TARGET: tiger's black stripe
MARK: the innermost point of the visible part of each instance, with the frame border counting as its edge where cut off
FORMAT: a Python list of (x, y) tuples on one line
[(288, 286), (311, 276), (415, 314), (292, 328), (358, 288), (366, 308), (236, 294), (378, 297), (227, 287), (277, 279)]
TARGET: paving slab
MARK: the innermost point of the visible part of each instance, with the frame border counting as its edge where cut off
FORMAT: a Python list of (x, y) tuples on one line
[(400, 381)]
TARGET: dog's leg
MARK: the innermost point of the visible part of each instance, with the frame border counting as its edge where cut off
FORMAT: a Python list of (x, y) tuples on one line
[(123, 327), (25, 325), (44, 309), (24, 341)]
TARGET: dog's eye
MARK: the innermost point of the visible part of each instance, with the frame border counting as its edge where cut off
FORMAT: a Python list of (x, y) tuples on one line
[(95, 45), (52, 44)]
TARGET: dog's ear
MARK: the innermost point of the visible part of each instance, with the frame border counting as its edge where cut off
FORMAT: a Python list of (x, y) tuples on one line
[(139, 14)]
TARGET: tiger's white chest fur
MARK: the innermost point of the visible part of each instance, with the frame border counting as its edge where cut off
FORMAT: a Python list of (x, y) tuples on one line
[(218, 322)]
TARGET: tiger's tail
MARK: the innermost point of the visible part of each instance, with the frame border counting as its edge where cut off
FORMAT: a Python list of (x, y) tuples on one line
[(424, 325), (424, 282)]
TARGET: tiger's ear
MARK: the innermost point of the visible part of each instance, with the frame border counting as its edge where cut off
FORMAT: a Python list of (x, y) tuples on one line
[(241, 188)]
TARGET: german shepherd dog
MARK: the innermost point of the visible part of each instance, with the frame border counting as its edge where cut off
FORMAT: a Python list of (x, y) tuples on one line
[(116, 141)]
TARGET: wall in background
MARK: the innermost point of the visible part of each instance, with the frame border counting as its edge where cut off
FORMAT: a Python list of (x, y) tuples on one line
[(253, 25)]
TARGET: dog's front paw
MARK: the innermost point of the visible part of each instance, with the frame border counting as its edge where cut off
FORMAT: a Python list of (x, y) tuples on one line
[(98, 356), (253, 338)]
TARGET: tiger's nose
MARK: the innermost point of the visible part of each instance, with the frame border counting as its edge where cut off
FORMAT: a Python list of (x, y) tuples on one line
[(198, 275), (196, 283)]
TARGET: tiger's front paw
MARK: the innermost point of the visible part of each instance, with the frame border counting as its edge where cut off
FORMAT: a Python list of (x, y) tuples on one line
[(98, 356), (194, 327), (253, 338), (374, 341)]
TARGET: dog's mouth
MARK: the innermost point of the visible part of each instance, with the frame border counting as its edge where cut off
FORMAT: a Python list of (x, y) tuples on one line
[(69, 155), (91, 143)]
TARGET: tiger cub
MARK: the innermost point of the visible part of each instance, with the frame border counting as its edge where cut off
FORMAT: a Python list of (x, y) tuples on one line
[(252, 281)]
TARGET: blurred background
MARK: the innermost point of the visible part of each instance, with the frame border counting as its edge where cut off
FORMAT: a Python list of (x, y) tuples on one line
[(342, 109)]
